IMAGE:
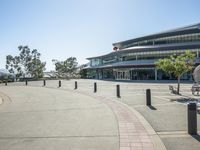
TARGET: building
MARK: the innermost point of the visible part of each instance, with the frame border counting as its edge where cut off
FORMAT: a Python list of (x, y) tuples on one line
[(6, 76), (135, 59)]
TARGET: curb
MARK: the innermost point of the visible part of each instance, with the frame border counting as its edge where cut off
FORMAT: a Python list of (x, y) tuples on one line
[(158, 144)]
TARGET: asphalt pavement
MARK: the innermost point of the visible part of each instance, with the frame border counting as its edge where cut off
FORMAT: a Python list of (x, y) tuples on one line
[(33, 115)]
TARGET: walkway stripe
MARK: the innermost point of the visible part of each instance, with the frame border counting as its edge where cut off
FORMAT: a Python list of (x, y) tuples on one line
[(132, 133)]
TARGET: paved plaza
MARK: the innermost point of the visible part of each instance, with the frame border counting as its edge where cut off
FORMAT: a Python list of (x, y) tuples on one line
[(37, 118)]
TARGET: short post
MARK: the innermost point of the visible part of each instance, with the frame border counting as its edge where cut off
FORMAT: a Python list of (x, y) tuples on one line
[(148, 97), (6, 83), (59, 83), (76, 85), (44, 82), (95, 87), (192, 118), (26, 82), (118, 90)]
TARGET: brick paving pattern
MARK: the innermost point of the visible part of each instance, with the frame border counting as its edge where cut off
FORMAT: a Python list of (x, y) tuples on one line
[(132, 134)]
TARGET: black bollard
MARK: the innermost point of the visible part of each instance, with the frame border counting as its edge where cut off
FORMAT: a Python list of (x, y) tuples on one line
[(6, 83), (76, 85), (148, 97), (59, 83), (44, 82), (118, 90), (192, 118), (26, 82), (95, 87)]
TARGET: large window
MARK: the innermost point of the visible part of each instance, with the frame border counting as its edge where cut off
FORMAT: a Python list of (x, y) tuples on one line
[(109, 60), (195, 37), (152, 54), (95, 62)]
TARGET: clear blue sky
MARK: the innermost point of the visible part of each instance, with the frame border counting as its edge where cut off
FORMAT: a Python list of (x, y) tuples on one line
[(84, 28)]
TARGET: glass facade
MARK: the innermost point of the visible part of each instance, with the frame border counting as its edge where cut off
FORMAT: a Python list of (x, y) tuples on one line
[(130, 62), (95, 62), (144, 55), (195, 37)]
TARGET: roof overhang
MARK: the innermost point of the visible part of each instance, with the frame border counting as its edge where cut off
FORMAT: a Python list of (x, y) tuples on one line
[(178, 31), (123, 64), (152, 48)]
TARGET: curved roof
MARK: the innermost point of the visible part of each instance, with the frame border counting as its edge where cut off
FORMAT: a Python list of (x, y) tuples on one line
[(4, 72), (175, 46), (178, 31), (131, 63), (135, 64)]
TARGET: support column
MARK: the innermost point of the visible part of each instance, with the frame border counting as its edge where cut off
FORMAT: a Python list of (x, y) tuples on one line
[(113, 76), (136, 74), (156, 74), (97, 72)]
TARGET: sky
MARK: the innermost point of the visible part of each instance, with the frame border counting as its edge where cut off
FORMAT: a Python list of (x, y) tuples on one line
[(59, 29)]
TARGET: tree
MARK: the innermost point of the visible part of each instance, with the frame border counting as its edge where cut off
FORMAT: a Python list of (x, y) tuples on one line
[(177, 65), (67, 68), (27, 63), (82, 71)]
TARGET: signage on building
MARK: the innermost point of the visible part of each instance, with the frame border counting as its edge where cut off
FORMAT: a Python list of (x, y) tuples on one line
[(115, 48)]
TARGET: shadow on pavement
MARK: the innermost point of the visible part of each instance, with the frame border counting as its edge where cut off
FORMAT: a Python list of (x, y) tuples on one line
[(184, 99), (152, 107), (197, 137)]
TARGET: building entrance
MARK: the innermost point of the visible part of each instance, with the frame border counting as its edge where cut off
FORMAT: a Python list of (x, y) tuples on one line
[(143, 74), (122, 74)]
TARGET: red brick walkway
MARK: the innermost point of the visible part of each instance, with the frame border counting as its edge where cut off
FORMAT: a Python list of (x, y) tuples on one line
[(133, 135)]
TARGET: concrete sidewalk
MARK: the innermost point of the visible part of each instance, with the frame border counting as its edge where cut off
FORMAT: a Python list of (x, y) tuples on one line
[(168, 116), (48, 119), (68, 119), (1, 100)]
